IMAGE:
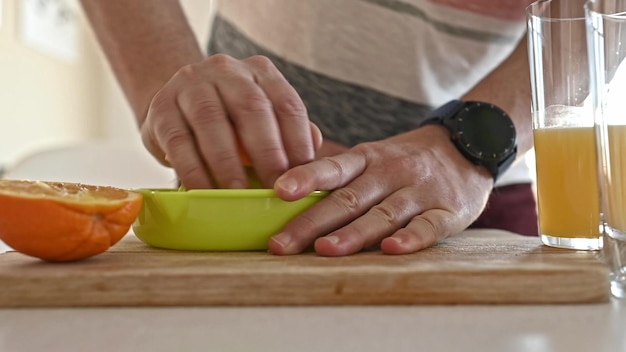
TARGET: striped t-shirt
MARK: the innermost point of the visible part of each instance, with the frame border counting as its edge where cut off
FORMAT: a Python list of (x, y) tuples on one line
[(370, 69)]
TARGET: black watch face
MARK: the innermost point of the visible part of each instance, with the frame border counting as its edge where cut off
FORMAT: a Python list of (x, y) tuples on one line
[(486, 132)]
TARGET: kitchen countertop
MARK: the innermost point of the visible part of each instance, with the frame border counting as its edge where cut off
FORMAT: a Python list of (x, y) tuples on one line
[(581, 327), (598, 327)]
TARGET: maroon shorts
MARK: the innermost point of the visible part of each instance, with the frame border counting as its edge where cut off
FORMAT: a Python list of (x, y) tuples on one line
[(512, 208)]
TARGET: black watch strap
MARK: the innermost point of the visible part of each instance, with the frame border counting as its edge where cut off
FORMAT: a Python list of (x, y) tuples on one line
[(448, 109)]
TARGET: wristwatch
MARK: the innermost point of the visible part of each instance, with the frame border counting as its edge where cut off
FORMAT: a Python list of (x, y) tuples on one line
[(482, 132)]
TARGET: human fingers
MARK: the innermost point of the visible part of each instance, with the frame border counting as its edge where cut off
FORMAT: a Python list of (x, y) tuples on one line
[(207, 123), (390, 215), (393, 225), (348, 201), (213, 133), (252, 115), (167, 136), (422, 232), (149, 141), (316, 135), (363, 213), (324, 174), (406, 195), (289, 109)]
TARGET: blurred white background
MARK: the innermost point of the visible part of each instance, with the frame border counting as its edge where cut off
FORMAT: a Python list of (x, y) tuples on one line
[(55, 87)]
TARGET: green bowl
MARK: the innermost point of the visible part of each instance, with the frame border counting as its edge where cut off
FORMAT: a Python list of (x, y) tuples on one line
[(215, 219)]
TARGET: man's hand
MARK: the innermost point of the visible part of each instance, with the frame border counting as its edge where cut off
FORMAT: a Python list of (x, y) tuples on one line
[(404, 193), (197, 120)]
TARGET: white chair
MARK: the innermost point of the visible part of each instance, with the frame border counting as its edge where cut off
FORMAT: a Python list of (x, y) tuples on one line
[(96, 163)]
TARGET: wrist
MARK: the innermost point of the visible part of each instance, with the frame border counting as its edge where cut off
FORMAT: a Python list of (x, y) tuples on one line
[(483, 133), (478, 174)]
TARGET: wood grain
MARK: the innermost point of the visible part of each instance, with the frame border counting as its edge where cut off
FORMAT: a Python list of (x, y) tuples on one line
[(476, 267)]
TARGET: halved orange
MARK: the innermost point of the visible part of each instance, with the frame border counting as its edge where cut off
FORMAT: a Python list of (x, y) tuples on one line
[(58, 221)]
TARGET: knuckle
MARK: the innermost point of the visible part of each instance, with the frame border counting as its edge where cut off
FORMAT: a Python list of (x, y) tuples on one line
[(174, 137), (410, 163), (385, 213), (204, 112), (429, 230), (337, 166), (290, 105), (187, 72), (147, 136), (367, 149), (261, 62), (254, 103), (347, 199), (221, 155), (161, 102), (270, 149), (273, 152), (305, 224), (221, 61), (301, 154)]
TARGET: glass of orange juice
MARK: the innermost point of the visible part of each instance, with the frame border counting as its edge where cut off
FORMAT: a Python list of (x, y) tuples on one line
[(606, 33), (563, 126)]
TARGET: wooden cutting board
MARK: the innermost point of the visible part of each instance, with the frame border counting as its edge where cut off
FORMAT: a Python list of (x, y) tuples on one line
[(476, 267)]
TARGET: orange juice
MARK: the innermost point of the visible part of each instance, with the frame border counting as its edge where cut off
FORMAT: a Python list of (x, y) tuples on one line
[(615, 178), (567, 182)]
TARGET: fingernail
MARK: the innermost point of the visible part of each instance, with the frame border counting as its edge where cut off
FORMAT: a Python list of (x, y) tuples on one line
[(283, 239), (395, 239), (332, 239), (288, 184)]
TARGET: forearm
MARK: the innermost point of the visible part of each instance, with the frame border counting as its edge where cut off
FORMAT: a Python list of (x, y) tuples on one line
[(508, 87), (145, 42)]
